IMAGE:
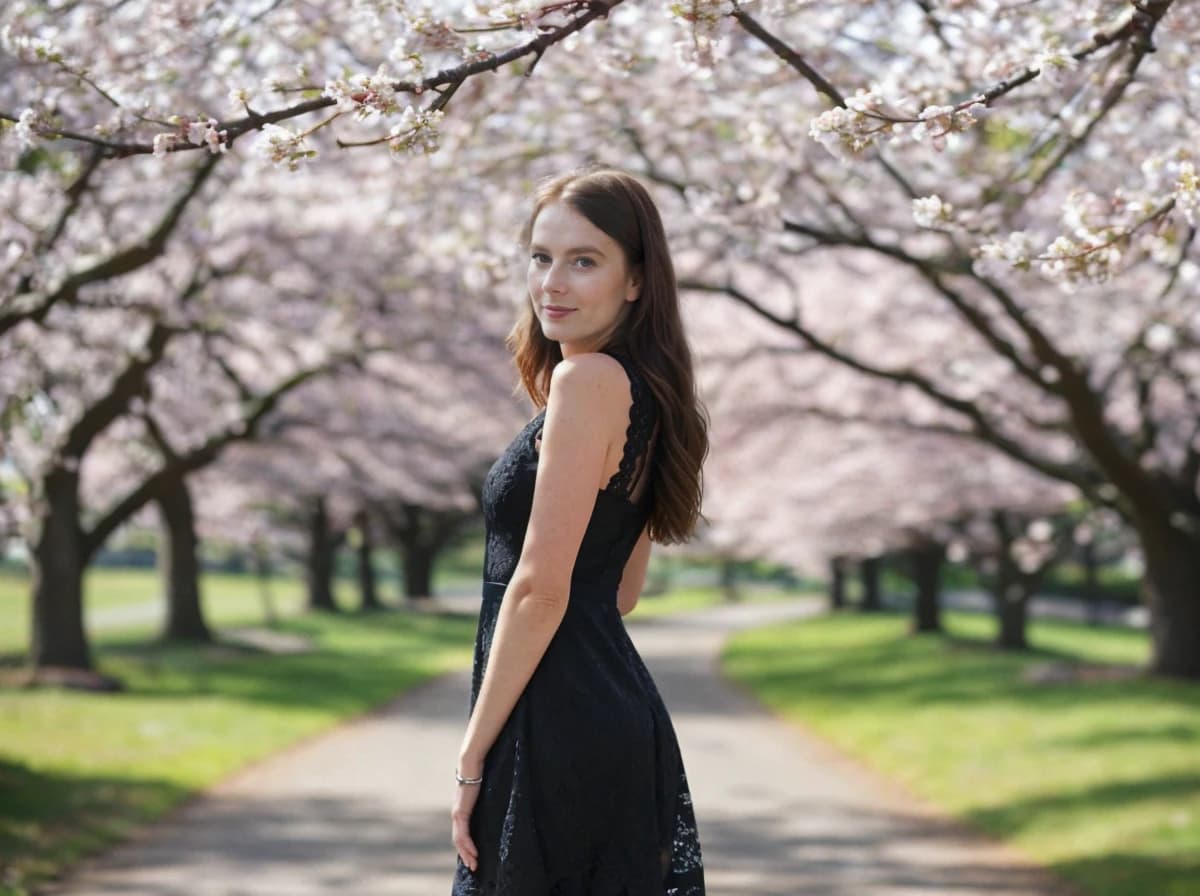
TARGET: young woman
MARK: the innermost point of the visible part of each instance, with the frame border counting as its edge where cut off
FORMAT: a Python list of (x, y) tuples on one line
[(570, 779)]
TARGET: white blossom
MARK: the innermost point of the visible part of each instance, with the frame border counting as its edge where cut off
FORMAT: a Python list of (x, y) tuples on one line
[(364, 95), (416, 133), (205, 133), (164, 143), (930, 211), (1160, 337), (1187, 192), (1054, 63), (26, 128), (281, 147)]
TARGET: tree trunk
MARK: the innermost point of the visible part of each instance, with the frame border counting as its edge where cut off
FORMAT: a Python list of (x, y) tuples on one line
[(1172, 593), (837, 583), (729, 586), (1011, 589), (57, 561), (927, 562), (367, 590), (868, 571), (417, 560), (1091, 582), (321, 554), (1012, 610), (179, 565), (420, 534)]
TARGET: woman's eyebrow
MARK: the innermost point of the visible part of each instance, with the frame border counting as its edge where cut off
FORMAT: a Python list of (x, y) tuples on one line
[(577, 250)]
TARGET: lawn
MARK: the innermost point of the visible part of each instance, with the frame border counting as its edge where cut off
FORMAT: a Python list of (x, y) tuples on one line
[(79, 771), (1097, 780)]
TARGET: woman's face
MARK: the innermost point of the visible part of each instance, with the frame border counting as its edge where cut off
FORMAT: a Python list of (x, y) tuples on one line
[(578, 279)]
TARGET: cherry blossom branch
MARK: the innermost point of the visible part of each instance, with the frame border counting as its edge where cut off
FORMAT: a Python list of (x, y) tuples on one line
[(788, 55), (230, 131), (1121, 235), (35, 307), (127, 384), (972, 315), (183, 464), (982, 426), (74, 194), (1147, 16)]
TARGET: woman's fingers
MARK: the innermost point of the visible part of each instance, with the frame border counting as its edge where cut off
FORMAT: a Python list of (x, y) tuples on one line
[(460, 833), (460, 820)]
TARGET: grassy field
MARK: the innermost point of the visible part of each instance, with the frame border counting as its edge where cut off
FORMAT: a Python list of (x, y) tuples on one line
[(1097, 779), (79, 771)]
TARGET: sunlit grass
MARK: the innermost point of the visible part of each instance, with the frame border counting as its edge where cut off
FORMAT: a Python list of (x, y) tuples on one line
[(78, 770), (1099, 780)]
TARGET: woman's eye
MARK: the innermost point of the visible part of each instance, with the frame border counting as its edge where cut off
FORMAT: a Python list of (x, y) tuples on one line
[(585, 262), (541, 257)]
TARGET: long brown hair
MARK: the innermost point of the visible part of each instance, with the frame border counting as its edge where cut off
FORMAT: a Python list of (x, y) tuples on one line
[(650, 333)]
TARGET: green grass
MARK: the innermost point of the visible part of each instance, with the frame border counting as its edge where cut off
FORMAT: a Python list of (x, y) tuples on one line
[(80, 770), (1097, 780), (229, 599)]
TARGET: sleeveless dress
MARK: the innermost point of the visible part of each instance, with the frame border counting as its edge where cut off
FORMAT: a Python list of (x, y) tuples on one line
[(584, 791)]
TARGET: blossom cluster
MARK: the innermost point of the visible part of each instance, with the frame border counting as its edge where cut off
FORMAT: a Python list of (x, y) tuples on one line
[(932, 211), (416, 133), (197, 132), (282, 147), (1187, 192), (364, 95), (937, 122), (853, 127)]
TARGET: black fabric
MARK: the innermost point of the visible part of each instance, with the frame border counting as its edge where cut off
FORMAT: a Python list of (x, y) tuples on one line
[(584, 791)]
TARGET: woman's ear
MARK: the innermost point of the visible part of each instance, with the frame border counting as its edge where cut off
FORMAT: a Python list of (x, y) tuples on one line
[(635, 286)]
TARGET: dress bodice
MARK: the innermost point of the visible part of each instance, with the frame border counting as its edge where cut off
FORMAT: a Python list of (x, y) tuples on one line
[(616, 521)]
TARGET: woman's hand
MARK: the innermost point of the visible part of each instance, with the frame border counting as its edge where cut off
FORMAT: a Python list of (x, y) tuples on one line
[(465, 797)]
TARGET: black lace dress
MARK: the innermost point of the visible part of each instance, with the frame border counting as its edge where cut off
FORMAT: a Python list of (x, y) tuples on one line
[(584, 791)]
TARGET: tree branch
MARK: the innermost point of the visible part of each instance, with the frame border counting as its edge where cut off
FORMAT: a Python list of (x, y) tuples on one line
[(132, 257), (449, 78)]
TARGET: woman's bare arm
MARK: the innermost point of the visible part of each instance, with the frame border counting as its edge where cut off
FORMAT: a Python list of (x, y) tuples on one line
[(633, 579), (587, 408)]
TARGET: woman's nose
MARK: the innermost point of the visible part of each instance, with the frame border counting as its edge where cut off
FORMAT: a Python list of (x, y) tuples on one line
[(554, 279)]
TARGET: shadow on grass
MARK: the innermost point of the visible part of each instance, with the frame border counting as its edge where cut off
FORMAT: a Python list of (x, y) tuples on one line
[(1015, 814), (50, 819), (1126, 874), (928, 669), (353, 658)]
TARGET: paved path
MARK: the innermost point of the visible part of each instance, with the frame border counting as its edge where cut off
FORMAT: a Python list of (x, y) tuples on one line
[(364, 810)]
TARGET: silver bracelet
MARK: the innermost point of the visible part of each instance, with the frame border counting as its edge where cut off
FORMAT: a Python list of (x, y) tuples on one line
[(461, 780)]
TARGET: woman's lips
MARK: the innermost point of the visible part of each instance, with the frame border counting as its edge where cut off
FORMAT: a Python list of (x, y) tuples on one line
[(556, 313)]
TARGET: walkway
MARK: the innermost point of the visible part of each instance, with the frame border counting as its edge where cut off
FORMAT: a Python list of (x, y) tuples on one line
[(364, 810)]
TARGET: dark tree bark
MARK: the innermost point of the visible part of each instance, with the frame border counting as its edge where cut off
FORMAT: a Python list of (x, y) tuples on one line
[(1012, 588), (367, 589), (729, 585), (1172, 593), (57, 561), (179, 565), (417, 561), (322, 551), (1091, 582), (868, 571), (837, 583), (419, 535), (927, 559)]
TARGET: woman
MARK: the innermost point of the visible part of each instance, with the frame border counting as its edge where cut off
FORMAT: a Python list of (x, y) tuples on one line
[(570, 780)]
